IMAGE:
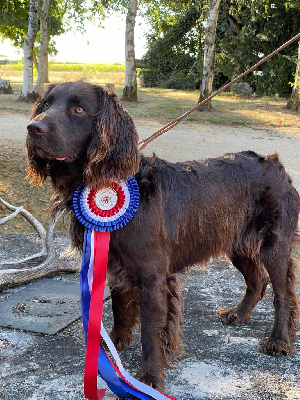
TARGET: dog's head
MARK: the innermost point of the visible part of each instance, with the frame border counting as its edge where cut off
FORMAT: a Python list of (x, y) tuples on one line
[(77, 123)]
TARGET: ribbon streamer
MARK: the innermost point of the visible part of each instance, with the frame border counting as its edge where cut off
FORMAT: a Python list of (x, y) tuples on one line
[(102, 211)]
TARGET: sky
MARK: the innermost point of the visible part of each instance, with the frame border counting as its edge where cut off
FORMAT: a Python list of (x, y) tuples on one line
[(97, 45)]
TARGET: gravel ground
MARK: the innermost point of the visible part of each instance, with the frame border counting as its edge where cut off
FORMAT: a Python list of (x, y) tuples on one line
[(220, 362)]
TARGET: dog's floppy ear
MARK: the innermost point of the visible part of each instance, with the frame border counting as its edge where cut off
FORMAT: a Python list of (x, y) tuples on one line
[(113, 152), (38, 169)]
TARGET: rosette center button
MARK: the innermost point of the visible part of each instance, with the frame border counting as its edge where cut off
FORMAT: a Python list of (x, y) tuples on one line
[(106, 198)]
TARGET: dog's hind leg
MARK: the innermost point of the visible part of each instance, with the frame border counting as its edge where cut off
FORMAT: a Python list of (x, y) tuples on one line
[(256, 280), (126, 313), (282, 271)]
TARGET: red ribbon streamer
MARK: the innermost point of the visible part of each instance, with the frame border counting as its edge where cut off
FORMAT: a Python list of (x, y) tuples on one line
[(101, 248)]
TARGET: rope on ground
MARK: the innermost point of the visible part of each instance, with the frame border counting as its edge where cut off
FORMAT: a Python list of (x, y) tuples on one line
[(143, 143)]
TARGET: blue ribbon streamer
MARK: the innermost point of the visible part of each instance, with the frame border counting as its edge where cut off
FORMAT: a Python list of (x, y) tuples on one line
[(84, 284), (105, 369)]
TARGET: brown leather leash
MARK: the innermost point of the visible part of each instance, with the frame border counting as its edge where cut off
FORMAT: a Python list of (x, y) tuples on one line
[(143, 143)]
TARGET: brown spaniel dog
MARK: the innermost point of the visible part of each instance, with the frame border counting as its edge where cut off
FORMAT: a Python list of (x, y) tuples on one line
[(240, 205)]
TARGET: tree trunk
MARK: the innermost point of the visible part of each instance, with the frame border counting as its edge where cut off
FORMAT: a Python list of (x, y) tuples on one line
[(47, 72), (209, 52), (27, 93), (43, 51), (294, 101), (35, 61), (130, 90)]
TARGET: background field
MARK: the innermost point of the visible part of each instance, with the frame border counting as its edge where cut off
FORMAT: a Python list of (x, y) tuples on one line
[(61, 72)]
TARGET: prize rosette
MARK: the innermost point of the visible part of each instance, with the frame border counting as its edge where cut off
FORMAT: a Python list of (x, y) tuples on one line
[(108, 208), (102, 210)]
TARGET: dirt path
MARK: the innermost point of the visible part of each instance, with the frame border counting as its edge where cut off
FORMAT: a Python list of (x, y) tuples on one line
[(189, 141)]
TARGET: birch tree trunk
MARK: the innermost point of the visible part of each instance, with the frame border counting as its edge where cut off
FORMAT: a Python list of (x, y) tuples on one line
[(27, 93), (130, 90), (43, 50), (294, 101), (35, 61), (209, 52)]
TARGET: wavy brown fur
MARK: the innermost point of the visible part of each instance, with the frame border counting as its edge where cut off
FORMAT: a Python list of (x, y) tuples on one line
[(112, 153), (240, 205)]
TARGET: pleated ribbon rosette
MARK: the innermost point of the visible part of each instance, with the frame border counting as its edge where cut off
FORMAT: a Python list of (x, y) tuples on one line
[(102, 211)]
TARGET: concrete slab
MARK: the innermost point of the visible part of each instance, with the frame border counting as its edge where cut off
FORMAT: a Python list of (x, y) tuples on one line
[(46, 306)]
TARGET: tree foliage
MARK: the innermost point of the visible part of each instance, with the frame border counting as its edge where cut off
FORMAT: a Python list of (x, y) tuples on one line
[(63, 16), (246, 31), (252, 30), (173, 46)]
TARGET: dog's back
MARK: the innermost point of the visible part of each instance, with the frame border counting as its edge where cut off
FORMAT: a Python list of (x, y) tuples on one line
[(240, 202)]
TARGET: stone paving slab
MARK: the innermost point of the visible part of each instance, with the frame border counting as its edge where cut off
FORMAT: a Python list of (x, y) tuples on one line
[(45, 306)]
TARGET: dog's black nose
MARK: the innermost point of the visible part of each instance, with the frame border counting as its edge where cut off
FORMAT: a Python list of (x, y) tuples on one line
[(36, 128)]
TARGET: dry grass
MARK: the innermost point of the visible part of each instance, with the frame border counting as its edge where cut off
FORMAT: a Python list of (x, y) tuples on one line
[(162, 105), (259, 112), (16, 189), (101, 77)]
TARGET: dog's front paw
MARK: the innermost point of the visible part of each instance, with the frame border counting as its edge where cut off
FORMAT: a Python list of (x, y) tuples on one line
[(156, 382), (121, 338), (232, 316), (275, 347)]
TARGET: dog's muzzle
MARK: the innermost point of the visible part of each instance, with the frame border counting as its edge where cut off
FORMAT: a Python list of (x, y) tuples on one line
[(37, 128)]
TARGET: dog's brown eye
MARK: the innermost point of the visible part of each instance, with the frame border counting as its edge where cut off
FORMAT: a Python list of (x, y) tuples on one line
[(79, 110), (46, 105)]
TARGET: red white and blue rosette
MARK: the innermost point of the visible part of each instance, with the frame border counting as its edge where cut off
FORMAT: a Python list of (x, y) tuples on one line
[(106, 209), (102, 211)]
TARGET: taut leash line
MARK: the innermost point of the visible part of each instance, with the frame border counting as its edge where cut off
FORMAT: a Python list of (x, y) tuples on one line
[(143, 143)]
